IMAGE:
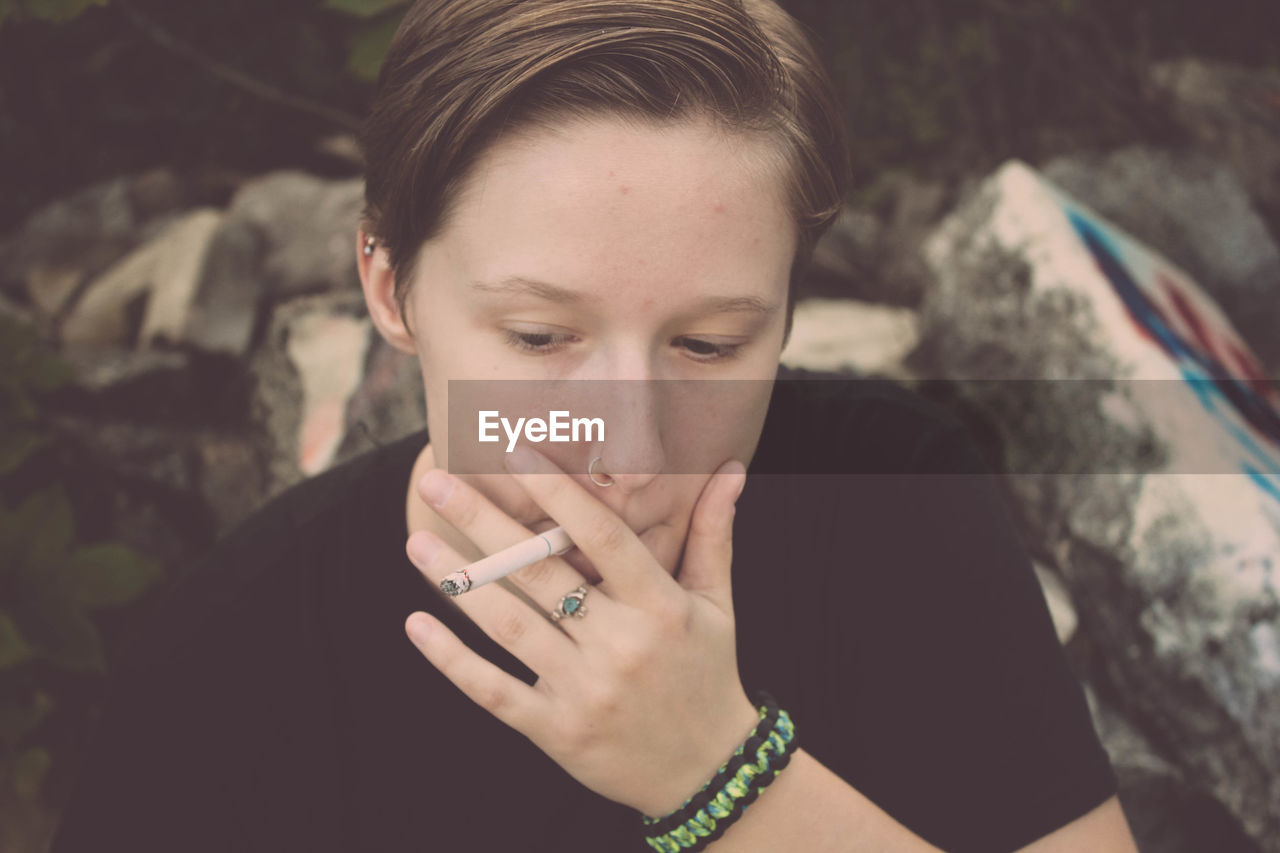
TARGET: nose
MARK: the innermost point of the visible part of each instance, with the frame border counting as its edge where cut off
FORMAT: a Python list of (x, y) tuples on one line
[(631, 452)]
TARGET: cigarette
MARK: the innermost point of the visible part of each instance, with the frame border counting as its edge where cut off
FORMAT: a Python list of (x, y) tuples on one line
[(506, 561)]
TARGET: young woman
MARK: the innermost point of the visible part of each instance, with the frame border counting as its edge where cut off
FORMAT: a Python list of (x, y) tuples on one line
[(610, 190)]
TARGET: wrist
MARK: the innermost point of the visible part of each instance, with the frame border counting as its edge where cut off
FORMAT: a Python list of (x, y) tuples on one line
[(682, 784), (714, 808)]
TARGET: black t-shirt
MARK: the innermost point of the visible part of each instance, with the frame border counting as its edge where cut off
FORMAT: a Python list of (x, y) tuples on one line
[(274, 703)]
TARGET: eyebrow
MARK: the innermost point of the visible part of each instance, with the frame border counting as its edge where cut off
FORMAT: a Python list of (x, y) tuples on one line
[(518, 286)]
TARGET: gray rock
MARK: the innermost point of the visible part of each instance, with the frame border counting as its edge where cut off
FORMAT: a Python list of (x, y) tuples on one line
[(232, 470), (1174, 577), (309, 226), (1231, 112), (305, 372), (70, 240), (1194, 210), (848, 335), (872, 250), (224, 309), (390, 401), (1167, 811), (177, 276), (99, 370)]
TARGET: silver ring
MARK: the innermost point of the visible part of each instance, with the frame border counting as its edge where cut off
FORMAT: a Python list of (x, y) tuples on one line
[(591, 473), (573, 604), (368, 245)]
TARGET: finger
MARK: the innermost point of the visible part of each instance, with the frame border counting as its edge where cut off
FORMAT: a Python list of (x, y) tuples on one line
[(545, 582), (509, 622), (506, 697), (617, 553), (708, 554)]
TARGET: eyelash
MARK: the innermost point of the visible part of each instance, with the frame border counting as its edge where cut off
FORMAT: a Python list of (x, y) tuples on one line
[(551, 343)]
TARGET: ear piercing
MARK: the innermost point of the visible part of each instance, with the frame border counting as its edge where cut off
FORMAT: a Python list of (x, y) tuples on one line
[(368, 246)]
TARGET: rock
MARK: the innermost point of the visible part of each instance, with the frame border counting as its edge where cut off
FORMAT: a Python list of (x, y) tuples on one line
[(1158, 499), (308, 225), (232, 470), (389, 403), (156, 387), (847, 335), (327, 348), (1231, 112), (50, 289), (223, 312), (1193, 210), (111, 308), (85, 231), (177, 276), (1056, 595), (77, 238), (147, 292), (872, 250), (306, 372), (1167, 811), (100, 370)]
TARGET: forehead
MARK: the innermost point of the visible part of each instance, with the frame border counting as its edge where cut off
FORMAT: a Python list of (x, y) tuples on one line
[(607, 201)]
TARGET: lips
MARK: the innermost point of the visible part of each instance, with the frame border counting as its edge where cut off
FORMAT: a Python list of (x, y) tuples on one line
[(573, 556)]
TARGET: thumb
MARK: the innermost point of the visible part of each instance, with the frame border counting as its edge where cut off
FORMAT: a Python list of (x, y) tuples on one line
[(708, 551)]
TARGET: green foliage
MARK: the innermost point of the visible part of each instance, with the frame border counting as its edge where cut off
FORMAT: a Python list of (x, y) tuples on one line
[(49, 582), (29, 769), (364, 8), (369, 45), (57, 11)]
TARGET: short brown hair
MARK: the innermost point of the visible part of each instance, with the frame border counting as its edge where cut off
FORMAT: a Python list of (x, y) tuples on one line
[(458, 73)]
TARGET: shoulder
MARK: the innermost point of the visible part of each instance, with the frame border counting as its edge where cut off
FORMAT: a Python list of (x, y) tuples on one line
[(266, 556), (829, 423)]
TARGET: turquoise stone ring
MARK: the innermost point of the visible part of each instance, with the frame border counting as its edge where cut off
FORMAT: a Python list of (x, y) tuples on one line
[(573, 604)]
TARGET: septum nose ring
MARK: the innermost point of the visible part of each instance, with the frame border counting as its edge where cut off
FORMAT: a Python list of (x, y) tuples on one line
[(591, 472)]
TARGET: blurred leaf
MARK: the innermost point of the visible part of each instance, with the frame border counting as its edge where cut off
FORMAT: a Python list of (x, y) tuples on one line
[(10, 550), (44, 521), (44, 371), (19, 717), (108, 575), (60, 631), (27, 363), (16, 445), (59, 11), (369, 45), (29, 770), (363, 8), (13, 648)]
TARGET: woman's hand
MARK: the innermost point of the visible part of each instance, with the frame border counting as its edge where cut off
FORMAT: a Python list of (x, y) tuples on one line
[(640, 699)]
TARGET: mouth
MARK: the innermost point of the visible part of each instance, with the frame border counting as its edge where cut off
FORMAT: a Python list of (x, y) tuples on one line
[(573, 556)]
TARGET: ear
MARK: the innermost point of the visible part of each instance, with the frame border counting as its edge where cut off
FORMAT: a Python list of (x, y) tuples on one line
[(379, 285)]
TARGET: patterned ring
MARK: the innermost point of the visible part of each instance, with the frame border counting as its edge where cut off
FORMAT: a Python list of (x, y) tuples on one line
[(573, 604)]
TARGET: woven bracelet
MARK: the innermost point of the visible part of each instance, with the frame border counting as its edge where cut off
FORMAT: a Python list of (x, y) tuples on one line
[(725, 802), (746, 751)]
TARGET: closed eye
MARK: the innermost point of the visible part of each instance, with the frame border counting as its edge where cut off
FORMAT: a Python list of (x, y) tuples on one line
[(547, 343)]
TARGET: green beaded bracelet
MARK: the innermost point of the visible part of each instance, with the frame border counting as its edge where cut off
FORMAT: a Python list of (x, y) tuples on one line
[(706, 815)]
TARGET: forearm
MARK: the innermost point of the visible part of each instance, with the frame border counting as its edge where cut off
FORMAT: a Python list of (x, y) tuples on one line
[(807, 807)]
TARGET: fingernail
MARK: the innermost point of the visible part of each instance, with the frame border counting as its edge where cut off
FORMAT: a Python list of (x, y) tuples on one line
[(737, 469), (436, 487), (523, 460), (423, 547), (419, 629)]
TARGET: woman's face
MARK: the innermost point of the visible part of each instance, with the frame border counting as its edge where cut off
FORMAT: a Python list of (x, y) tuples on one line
[(607, 250)]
